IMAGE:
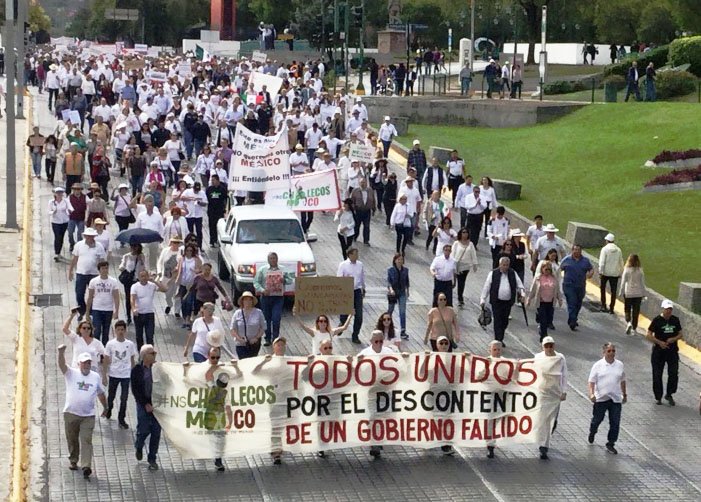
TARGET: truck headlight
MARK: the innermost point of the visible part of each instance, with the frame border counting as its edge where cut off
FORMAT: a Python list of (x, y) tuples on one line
[(307, 268), (247, 269)]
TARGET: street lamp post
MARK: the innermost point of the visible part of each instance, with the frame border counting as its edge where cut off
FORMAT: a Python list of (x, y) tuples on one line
[(10, 160), (472, 33), (360, 89)]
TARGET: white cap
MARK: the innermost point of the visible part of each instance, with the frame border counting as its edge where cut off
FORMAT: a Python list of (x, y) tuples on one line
[(609, 237), (417, 142), (667, 304), (386, 117), (123, 185), (90, 232), (547, 339), (84, 357)]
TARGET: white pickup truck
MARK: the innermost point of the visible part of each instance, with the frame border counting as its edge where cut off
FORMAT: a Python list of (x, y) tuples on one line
[(248, 233)]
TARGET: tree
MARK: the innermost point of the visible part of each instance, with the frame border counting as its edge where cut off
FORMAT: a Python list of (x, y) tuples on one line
[(688, 14), (38, 19), (618, 22), (657, 24)]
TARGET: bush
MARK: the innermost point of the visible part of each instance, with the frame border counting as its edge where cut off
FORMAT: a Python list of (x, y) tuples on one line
[(658, 56), (616, 81), (667, 156), (329, 80), (676, 176), (687, 50), (566, 87), (670, 84)]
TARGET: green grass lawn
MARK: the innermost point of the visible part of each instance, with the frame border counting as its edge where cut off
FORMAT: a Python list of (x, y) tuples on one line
[(599, 96), (588, 167)]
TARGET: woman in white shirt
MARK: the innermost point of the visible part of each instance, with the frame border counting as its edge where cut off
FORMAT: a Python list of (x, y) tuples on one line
[(197, 337), (133, 263), (489, 197), (83, 341), (103, 236), (343, 167), (174, 147), (465, 256), (175, 225), (355, 173), (401, 221), (346, 226), (205, 163), (189, 264), (445, 235), (166, 166), (122, 206), (321, 331), (59, 212)]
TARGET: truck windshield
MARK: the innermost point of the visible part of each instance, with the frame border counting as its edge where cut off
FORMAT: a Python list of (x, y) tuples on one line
[(266, 231)]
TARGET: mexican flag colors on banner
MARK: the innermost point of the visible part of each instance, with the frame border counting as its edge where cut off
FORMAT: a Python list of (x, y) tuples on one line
[(202, 54)]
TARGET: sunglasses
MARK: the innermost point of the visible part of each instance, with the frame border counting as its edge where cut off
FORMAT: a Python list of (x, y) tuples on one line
[(377, 341), (213, 358), (443, 343), (323, 320), (326, 348), (610, 351), (549, 345)]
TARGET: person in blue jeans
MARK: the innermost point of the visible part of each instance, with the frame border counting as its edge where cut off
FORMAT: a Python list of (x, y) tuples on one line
[(270, 282), (146, 423), (103, 301), (607, 390), (577, 269), (398, 288)]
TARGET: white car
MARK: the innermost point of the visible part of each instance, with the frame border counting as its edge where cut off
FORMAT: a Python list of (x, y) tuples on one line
[(248, 233)]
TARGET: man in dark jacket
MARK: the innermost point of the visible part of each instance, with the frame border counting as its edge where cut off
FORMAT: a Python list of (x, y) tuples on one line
[(633, 77), (501, 288), (216, 207), (147, 425), (200, 134)]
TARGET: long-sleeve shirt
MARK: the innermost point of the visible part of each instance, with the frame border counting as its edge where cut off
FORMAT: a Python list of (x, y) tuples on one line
[(355, 270), (611, 260), (504, 292), (633, 283), (260, 282), (561, 365)]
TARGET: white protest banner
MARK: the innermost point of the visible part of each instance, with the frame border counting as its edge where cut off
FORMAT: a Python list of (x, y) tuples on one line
[(361, 152), (157, 76), (297, 405), (272, 84), (308, 192), (184, 69), (71, 115), (141, 48), (259, 57), (259, 163)]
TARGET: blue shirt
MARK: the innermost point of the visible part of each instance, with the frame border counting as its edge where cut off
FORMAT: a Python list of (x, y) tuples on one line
[(575, 270), (129, 93)]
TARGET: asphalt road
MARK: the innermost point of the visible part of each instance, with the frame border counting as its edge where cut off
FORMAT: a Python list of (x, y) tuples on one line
[(658, 447)]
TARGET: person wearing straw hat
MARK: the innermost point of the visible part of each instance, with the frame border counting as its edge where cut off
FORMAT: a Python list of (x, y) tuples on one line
[(103, 236), (82, 387), (247, 326), (559, 370), (547, 242)]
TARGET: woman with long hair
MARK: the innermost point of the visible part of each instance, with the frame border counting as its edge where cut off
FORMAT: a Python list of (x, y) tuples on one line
[(465, 256), (385, 323), (489, 197), (346, 226), (545, 291), (322, 329), (633, 291)]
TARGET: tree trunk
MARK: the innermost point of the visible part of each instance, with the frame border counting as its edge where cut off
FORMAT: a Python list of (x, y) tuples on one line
[(533, 17)]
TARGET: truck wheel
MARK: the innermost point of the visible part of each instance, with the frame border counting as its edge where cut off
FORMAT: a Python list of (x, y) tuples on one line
[(224, 274)]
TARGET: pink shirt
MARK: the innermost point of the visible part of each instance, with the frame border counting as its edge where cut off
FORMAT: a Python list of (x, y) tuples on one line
[(547, 288)]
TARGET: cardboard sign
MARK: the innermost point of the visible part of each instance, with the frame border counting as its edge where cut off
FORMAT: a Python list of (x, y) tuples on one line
[(36, 140), (361, 152), (133, 64), (259, 57), (324, 295)]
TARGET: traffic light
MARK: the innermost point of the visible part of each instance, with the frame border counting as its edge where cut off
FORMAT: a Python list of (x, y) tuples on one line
[(357, 12)]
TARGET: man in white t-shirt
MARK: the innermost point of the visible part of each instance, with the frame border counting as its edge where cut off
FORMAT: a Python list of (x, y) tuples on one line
[(312, 137), (120, 357), (86, 254), (103, 302), (299, 162), (82, 386), (151, 219), (196, 202), (142, 308)]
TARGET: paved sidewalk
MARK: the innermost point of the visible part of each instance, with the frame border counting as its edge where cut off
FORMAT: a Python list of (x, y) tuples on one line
[(10, 242), (658, 448)]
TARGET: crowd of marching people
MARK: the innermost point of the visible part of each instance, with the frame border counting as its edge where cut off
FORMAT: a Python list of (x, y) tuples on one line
[(149, 149)]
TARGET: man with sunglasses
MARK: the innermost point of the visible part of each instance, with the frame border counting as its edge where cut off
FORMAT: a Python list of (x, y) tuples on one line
[(607, 390), (147, 424)]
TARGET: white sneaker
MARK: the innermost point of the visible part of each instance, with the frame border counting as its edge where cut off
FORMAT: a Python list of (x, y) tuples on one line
[(629, 329)]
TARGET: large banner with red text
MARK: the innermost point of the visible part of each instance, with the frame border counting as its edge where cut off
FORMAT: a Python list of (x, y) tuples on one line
[(299, 405)]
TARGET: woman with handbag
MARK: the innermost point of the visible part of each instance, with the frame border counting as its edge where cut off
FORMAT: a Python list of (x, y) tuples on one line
[(247, 326), (442, 321), (465, 256), (122, 208), (132, 263), (398, 291)]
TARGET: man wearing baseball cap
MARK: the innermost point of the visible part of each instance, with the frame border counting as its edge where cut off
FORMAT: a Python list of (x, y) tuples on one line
[(557, 365), (82, 386), (664, 332)]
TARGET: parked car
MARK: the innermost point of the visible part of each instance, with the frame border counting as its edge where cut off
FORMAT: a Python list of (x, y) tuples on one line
[(248, 233)]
